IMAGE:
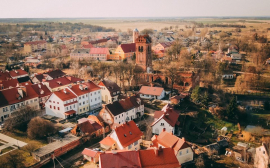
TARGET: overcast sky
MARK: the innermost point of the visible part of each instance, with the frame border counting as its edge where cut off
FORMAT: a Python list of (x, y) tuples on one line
[(131, 8)]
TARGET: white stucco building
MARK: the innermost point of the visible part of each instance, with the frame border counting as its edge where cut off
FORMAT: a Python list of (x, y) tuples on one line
[(109, 91), (76, 99), (148, 92)]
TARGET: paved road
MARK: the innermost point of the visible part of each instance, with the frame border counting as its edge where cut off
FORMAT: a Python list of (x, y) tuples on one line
[(11, 141), (68, 159)]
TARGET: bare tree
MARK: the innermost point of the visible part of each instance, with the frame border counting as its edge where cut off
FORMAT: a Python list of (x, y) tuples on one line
[(40, 128)]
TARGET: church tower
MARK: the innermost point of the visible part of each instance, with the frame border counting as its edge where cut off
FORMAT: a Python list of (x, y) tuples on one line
[(135, 34), (143, 52)]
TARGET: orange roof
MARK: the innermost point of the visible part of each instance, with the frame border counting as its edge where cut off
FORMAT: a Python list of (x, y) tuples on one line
[(108, 141), (158, 158), (90, 152), (128, 133), (148, 90), (168, 140)]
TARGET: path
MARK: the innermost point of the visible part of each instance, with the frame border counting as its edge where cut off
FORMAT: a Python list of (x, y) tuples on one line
[(11, 141)]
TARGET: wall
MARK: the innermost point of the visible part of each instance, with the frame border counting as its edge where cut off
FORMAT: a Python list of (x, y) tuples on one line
[(186, 155), (158, 126)]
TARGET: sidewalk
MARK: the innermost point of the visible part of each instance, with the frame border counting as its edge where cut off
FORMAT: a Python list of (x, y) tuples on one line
[(11, 141)]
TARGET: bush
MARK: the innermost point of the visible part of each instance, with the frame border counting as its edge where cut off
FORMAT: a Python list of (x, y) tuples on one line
[(39, 128)]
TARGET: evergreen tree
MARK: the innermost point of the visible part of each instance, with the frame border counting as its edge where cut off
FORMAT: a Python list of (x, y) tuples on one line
[(195, 96), (232, 108)]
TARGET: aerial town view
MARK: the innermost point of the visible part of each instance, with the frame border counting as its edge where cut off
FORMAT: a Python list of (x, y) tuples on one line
[(134, 84)]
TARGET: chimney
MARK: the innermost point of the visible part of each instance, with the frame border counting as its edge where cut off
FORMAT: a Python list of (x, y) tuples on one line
[(156, 151), (81, 87), (184, 139)]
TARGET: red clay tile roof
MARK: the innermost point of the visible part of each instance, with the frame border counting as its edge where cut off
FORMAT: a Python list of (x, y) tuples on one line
[(129, 103), (36, 42), (4, 76), (98, 41), (108, 141), (70, 112), (41, 90), (90, 153), (39, 77), (87, 126), (170, 116), (122, 159), (58, 82), (12, 94), (158, 114), (9, 83), (17, 72), (128, 47), (148, 90), (165, 158), (168, 140), (128, 133), (99, 51), (87, 46), (87, 87), (65, 96)]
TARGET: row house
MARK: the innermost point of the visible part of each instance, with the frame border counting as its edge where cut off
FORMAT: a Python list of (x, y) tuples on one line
[(76, 99), (48, 75), (18, 73), (125, 137), (100, 54), (122, 111), (14, 98), (43, 93), (33, 46), (60, 83), (110, 91)]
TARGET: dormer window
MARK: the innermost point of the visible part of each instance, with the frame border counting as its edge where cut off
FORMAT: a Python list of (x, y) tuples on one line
[(125, 135), (130, 132)]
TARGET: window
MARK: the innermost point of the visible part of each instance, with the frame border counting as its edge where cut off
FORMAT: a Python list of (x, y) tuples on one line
[(58, 108), (53, 107), (80, 110), (135, 143), (50, 106), (74, 105), (180, 153), (83, 97), (129, 147), (125, 135), (57, 102), (79, 103), (187, 150), (53, 101), (263, 152), (83, 109), (35, 100), (161, 124), (130, 132)]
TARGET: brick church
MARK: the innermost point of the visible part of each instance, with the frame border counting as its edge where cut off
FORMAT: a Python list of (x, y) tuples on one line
[(143, 50)]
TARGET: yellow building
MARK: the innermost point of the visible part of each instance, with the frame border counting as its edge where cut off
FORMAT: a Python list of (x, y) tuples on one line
[(125, 51), (33, 46)]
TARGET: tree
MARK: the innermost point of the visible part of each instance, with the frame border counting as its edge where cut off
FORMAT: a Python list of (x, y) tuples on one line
[(266, 105), (199, 162), (20, 118), (232, 108), (171, 73), (175, 49), (39, 128), (195, 95), (133, 57), (30, 147), (13, 159)]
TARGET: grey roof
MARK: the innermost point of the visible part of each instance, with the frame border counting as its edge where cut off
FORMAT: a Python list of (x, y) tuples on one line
[(81, 51), (55, 145)]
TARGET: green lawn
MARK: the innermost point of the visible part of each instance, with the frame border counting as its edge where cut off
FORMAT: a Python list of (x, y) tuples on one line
[(6, 150)]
